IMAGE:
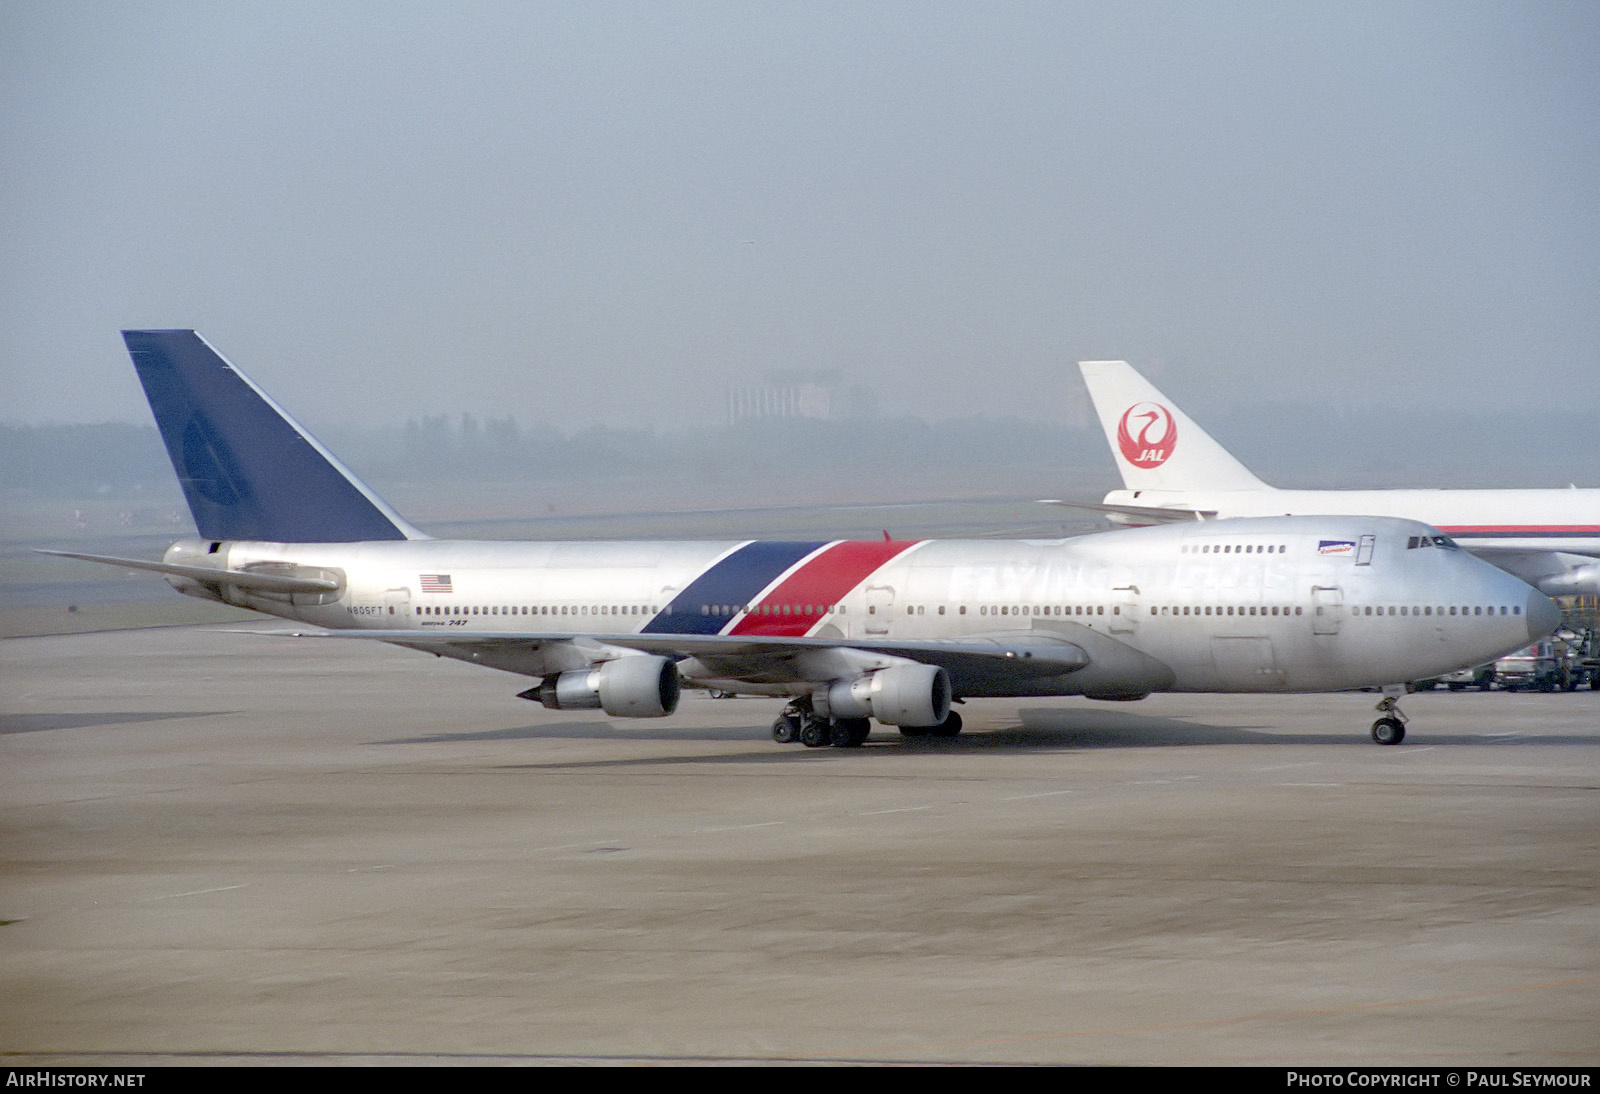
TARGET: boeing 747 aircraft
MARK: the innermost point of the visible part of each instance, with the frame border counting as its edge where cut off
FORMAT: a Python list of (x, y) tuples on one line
[(843, 632), (1175, 471)]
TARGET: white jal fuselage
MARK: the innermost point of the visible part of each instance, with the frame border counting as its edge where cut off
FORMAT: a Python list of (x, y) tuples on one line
[(1549, 538)]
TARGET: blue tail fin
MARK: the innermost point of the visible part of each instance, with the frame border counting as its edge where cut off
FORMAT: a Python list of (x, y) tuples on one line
[(249, 470)]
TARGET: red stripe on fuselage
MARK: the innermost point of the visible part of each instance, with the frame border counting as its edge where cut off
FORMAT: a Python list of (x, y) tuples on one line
[(803, 598), (1521, 529)]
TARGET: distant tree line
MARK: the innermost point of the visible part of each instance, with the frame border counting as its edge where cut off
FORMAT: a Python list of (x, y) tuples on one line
[(110, 457), (1506, 447), (118, 457), (437, 446)]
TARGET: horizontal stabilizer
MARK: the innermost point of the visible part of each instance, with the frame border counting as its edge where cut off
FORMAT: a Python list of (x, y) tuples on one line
[(1154, 514), (239, 579)]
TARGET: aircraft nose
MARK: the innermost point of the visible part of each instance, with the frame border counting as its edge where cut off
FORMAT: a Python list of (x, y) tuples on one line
[(1542, 615)]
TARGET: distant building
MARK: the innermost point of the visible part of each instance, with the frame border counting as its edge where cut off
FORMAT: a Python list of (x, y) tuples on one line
[(794, 394)]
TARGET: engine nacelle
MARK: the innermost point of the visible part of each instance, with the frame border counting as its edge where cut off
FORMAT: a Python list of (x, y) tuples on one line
[(628, 687), (904, 695)]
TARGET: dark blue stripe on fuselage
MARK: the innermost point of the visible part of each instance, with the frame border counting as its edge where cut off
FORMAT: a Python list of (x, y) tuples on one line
[(736, 580)]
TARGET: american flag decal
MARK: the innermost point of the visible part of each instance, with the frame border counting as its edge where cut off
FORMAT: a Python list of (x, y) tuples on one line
[(435, 583)]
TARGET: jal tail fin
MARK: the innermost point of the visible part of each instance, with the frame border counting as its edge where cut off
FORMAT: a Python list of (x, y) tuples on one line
[(248, 470), (1156, 445)]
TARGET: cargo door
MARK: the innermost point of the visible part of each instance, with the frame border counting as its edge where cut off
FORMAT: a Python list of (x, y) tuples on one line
[(1327, 608), (1246, 663), (880, 608), (1124, 610)]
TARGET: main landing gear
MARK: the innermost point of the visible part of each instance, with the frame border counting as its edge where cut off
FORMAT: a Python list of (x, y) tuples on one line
[(799, 722), (1391, 728)]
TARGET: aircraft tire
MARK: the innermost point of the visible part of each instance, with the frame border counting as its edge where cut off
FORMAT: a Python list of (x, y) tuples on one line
[(1388, 731), (815, 732), (950, 727), (851, 732), (786, 728)]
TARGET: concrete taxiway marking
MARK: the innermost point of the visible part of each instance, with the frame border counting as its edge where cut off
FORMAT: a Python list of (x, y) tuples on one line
[(743, 827), (199, 892)]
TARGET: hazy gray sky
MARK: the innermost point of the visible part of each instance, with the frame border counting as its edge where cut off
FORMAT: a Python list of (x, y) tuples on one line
[(610, 212)]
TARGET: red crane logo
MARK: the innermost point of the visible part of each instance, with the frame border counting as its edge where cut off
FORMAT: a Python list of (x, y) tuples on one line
[(1146, 434)]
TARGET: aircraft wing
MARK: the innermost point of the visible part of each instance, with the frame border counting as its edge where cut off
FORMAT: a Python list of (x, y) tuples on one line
[(973, 662), (1155, 514), (1555, 573)]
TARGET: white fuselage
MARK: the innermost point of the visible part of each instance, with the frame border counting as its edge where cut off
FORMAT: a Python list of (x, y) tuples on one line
[(1548, 538), (1298, 604)]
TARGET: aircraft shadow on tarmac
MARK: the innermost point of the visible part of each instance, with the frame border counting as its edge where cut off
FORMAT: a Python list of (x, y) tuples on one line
[(1028, 730), (1085, 729), (40, 723), (586, 731)]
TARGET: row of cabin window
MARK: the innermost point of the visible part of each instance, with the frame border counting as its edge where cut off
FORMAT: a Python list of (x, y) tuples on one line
[(1038, 609), (761, 609), (1474, 609), (911, 609), (1227, 609), (986, 609), (1442, 610), (772, 609), (1011, 609), (1364, 610), (539, 609), (1235, 549)]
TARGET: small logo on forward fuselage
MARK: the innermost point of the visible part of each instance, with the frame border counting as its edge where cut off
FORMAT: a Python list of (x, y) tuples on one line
[(1147, 434)]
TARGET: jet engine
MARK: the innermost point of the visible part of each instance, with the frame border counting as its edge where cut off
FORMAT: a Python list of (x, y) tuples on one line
[(628, 687), (902, 695)]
